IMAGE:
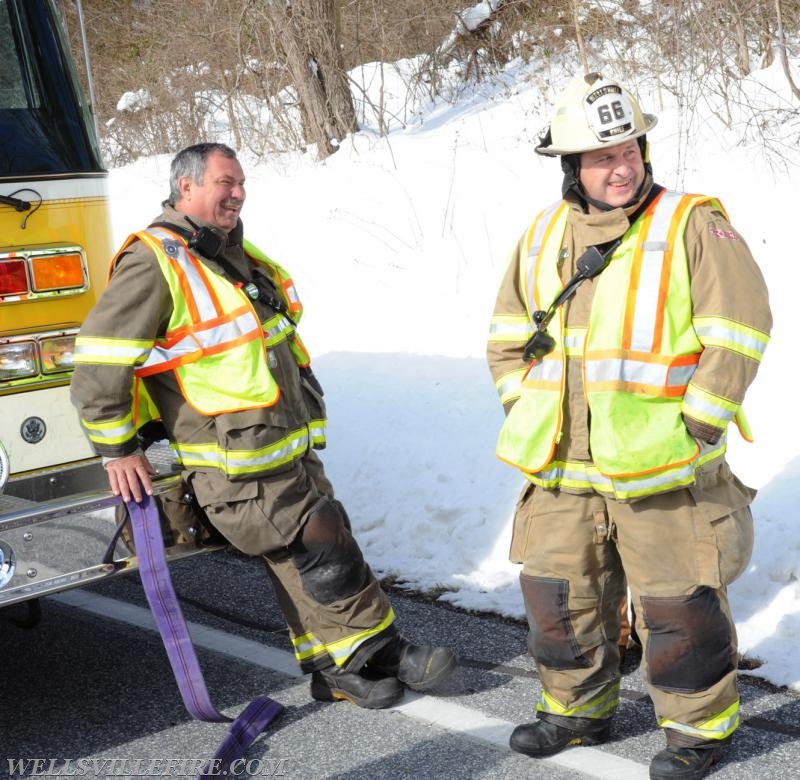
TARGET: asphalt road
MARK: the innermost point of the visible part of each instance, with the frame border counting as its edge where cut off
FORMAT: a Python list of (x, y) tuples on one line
[(91, 684)]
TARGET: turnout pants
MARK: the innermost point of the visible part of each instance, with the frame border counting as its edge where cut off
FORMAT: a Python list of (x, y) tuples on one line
[(334, 606), (677, 552)]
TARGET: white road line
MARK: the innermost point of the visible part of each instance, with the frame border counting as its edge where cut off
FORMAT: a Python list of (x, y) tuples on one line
[(453, 717), (429, 709), (255, 653)]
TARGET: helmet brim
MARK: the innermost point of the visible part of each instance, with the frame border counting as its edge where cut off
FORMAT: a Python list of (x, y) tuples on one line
[(650, 121)]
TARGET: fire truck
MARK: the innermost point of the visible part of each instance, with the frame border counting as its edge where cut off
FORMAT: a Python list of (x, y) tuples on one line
[(60, 526)]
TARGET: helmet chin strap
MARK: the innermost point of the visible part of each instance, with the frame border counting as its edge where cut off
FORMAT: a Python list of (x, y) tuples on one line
[(571, 165)]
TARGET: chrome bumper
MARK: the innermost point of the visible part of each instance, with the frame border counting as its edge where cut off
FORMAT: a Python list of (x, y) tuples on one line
[(51, 545)]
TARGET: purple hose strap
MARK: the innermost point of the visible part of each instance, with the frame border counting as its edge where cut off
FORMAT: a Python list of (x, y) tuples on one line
[(182, 657)]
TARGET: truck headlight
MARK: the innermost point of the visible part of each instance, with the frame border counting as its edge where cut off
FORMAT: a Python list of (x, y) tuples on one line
[(17, 360), (57, 353)]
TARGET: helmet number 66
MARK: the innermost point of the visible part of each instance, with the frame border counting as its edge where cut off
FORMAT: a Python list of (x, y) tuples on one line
[(608, 113)]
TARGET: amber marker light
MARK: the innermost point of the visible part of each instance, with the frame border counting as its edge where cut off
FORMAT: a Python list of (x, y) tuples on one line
[(57, 272)]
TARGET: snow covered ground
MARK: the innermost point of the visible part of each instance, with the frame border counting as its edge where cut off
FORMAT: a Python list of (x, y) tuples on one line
[(397, 245)]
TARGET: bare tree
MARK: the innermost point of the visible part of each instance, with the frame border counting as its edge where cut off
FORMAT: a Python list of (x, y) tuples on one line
[(274, 75), (308, 34), (782, 46), (576, 20)]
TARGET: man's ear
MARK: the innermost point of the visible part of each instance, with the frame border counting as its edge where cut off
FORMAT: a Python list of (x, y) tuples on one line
[(185, 184)]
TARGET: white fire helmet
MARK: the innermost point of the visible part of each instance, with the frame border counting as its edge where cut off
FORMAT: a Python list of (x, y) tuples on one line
[(591, 113)]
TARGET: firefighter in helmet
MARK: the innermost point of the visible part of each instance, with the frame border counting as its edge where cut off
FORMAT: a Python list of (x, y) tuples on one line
[(629, 325)]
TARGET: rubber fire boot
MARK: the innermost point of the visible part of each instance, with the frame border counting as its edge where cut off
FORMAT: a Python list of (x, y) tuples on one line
[(420, 667), (545, 737), (684, 763), (364, 688)]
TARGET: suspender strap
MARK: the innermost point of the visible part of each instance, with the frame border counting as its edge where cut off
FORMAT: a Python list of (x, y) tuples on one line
[(171, 624)]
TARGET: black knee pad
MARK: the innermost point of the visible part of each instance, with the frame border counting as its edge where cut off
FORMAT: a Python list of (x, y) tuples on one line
[(689, 647), (551, 639), (327, 556)]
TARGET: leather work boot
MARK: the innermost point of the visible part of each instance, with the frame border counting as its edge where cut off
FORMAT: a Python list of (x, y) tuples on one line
[(419, 667), (683, 763), (545, 738), (362, 688)]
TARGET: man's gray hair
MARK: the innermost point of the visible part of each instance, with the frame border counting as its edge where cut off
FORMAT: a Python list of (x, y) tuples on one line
[(191, 162)]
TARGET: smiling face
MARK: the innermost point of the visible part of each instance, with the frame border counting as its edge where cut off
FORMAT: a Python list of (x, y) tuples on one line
[(612, 175), (219, 198)]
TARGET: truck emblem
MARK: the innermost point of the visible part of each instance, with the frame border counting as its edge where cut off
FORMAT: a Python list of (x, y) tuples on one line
[(33, 430)]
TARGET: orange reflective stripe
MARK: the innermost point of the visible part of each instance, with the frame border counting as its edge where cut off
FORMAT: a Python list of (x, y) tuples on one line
[(638, 372), (186, 290), (539, 266), (244, 338), (291, 295), (636, 272), (536, 239), (151, 239), (211, 329), (197, 268), (209, 338), (203, 272), (666, 270)]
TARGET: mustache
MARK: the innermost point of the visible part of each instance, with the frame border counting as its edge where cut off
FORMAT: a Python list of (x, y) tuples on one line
[(232, 203)]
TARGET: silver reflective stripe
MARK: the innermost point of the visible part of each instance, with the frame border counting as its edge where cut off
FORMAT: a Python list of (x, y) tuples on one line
[(707, 408), (536, 247), (647, 295), (291, 293), (225, 460), (285, 451), (545, 371), (720, 333), (560, 473), (591, 478), (127, 355), (510, 386), (307, 645), (679, 376), (574, 341), (195, 457), (205, 338), (598, 708), (176, 250), (721, 727), (158, 355), (274, 329), (116, 434), (521, 329), (241, 325), (650, 483), (316, 430), (619, 370), (637, 371)]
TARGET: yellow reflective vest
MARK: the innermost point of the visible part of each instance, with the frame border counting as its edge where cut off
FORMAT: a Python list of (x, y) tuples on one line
[(213, 335), (639, 352)]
